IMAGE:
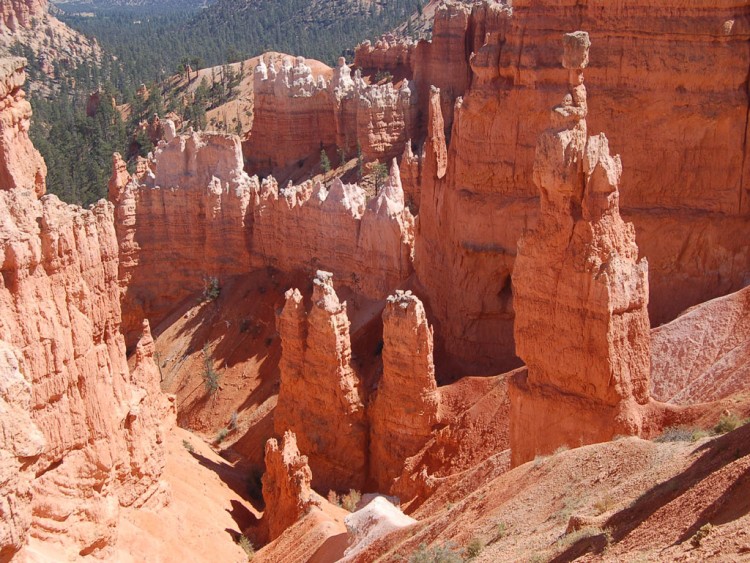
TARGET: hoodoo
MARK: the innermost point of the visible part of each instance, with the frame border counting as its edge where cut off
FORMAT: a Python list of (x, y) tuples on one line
[(580, 292)]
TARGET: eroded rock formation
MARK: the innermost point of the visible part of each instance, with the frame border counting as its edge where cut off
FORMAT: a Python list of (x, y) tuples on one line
[(297, 115), (81, 432), (704, 354), (94, 425), (320, 398), (193, 214), (286, 485), (405, 410), (581, 294), (21, 165)]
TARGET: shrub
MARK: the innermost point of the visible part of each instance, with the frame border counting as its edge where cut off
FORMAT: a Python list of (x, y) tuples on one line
[(700, 535), (383, 75), (680, 434), (221, 434), (211, 289), (474, 548), (438, 554), (349, 501), (727, 423), (188, 446), (247, 547), (210, 375), (501, 530), (334, 498), (233, 421), (325, 162)]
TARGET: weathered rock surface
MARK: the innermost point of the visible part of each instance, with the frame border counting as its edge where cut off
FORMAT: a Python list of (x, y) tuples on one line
[(21, 165), (581, 294), (286, 485), (704, 354), (320, 398), (193, 214), (371, 522), (92, 442), (405, 410), (188, 219), (297, 114), (28, 22), (687, 210)]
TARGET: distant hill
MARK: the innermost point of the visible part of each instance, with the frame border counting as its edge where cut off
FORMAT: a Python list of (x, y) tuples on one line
[(84, 6)]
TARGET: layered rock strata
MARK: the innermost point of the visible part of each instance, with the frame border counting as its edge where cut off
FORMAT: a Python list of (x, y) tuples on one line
[(193, 214), (287, 492), (321, 398), (689, 212), (188, 218), (581, 294), (90, 440), (21, 165), (405, 410), (297, 115)]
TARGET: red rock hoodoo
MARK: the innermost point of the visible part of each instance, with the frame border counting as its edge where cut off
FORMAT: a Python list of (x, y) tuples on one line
[(286, 485), (320, 398), (581, 294), (404, 412)]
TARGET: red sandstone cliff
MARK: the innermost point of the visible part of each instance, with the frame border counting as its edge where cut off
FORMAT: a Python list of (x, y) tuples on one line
[(21, 165), (81, 431)]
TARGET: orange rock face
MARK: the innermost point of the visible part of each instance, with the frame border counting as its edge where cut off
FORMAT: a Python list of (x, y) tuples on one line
[(19, 13), (320, 398), (686, 210), (286, 485), (581, 294), (194, 214), (405, 409), (297, 115), (21, 165), (92, 442), (186, 220)]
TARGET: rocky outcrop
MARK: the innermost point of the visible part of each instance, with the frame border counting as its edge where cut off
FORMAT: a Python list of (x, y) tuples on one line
[(378, 518), (21, 165), (688, 212), (404, 412), (297, 115), (286, 485), (704, 354), (90, 440), (320, 397), (187, 219), (28, 23), (193, 214), (581, 294), (15, 14)]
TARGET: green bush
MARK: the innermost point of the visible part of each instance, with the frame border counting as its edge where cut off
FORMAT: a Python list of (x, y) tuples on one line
[(727, 423), (247, 547), (474, 548), (438, 554), (211, 289), (349, 501), (210, 375)]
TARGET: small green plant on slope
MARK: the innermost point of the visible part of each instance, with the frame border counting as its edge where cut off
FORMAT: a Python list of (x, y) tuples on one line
[(727, 423), (210, 375), (474, 548), (247, 547), (325, 162), (438, 554), (211, 289), (700, 535), (349, 501)]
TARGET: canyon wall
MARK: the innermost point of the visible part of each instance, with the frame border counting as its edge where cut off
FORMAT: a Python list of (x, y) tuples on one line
[(679, 71), (81, 431), (297, 115), (194, 214), (21, 165), (19, 13), (580, 291)]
